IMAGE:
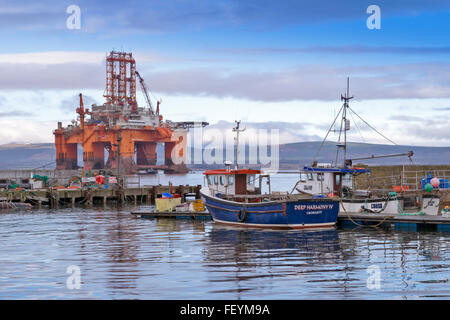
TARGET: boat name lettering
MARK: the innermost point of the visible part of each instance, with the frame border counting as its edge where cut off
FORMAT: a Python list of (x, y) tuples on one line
[(376, 206), (313, 207), (314, 212)]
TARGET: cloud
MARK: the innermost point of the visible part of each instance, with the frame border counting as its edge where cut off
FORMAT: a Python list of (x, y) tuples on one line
[(51, 76), (30, 131), (306, 82), (67, 57), (15, 114), (317, 82), (7, 112), (436, 132), (162, 16), (441, 108), (53, 57), (404, 118), (70, 104), (346, 49), (288, 131)]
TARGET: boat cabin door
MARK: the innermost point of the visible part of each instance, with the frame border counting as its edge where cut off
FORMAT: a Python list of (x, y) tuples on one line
[(337, 183), (241, 184)]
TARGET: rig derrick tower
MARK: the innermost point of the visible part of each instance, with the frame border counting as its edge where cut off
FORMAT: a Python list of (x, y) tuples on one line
[(120, 125)]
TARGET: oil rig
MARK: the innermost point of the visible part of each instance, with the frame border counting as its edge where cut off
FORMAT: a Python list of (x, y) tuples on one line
[(126, 133)]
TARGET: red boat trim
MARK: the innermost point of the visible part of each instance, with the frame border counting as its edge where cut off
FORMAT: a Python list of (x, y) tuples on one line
[(240, 171)]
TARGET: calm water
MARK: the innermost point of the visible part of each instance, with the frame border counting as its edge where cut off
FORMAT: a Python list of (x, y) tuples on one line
[(122, 257)]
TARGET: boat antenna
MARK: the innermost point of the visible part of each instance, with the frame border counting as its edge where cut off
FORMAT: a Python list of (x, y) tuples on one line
[(345, 123), (236, 143)]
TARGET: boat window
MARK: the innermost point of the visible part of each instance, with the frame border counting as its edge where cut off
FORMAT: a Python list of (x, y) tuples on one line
[(209, 180), (320, 176), (251, 179), (347, 176), (215, 180), (230, 180), (310, 176), (338, 179), (221, 180), (302, 176)]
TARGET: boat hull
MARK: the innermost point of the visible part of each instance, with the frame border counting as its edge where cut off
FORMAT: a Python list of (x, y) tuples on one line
[(394, 206), (378, 205), (300, 214)]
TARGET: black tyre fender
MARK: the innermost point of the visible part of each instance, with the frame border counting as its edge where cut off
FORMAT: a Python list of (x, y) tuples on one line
[(242, 215)]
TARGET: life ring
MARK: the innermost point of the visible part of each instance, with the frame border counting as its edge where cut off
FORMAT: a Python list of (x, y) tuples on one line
[(100, 179), (242, 215)]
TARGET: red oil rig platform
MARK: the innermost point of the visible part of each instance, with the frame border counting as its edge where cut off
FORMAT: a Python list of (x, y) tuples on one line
[(127, 132)]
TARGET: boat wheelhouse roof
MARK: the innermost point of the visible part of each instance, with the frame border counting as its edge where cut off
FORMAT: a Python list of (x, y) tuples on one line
[(340, 170), (239, 171)]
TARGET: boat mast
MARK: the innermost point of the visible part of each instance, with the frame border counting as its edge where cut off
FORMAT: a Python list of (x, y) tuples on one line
[(345, 124), (236, 143)]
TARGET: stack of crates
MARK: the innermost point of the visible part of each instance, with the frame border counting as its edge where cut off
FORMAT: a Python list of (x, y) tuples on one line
[(198, 205)]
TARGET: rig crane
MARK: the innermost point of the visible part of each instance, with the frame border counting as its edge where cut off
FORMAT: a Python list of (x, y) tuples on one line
[(147, 98)]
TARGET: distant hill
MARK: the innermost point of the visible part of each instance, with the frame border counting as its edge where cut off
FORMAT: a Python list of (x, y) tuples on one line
[(27, 156), (292, 155), (303, 153)]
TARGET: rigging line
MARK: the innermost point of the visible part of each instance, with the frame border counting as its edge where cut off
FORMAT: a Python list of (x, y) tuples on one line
[(371, 126), (329, 130), (357, 127)]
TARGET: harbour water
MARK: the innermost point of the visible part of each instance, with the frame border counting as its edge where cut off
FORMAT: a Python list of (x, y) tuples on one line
[(123, 257)]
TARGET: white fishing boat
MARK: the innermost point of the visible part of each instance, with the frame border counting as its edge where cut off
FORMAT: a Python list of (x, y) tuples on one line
[(338, 179)]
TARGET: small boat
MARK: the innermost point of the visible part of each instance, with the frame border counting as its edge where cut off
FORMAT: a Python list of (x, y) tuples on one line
[(233, 197), (145, 171), (338, 180), (5, 206)]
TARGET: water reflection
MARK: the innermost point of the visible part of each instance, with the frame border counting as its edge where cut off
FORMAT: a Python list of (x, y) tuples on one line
[(123, 257), (241, 242), (247, 260)]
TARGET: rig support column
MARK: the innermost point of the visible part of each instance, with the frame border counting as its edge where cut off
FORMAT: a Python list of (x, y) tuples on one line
[(146, 153), (175, 152)]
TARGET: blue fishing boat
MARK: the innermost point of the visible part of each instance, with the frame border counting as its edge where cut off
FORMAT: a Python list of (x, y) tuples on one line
[(234, 197)]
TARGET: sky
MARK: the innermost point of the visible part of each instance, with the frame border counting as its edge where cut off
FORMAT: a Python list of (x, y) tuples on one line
[(272, 64)]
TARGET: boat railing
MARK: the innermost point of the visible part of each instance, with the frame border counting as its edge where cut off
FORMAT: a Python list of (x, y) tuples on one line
[(131, 181), (415, 177), (407, 182), (381, 183)]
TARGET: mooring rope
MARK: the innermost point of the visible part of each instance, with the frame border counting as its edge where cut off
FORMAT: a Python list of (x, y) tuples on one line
[(364, 225)]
